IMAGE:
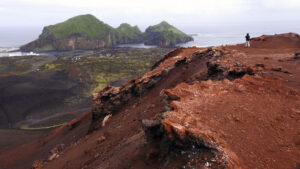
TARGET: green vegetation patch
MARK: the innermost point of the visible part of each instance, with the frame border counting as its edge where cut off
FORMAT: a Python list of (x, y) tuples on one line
[(19, 65), (26, 127), (101, 69), (87, 25), (128, 33), (47, 47), (164, 34), (14, 65), (165, 27)]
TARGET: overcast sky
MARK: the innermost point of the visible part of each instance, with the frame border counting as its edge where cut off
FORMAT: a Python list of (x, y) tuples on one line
[(184, 13)]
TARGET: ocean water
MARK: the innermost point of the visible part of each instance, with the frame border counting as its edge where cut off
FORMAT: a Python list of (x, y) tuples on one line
[(11, 38), (136, 45), (214, 39), (14, 51)]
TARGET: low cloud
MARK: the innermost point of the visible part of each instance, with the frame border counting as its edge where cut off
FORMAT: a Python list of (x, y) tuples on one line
[(145, 12)]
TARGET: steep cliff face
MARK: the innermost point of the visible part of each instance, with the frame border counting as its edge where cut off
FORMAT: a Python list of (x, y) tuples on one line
[(165, 35), (80, 32)]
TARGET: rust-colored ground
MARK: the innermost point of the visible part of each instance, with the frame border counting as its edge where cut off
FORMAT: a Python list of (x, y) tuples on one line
[(252, 121)]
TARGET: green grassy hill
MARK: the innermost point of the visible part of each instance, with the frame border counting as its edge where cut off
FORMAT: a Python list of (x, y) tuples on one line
[(87, 25), (165, 35), (81, 32), (86, 32), (128, 34)]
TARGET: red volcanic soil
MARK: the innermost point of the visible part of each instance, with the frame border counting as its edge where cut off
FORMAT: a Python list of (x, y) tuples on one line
[(251, 122), (197, 118)]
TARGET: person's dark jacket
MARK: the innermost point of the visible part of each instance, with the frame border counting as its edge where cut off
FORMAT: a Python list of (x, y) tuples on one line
[(247, 37)]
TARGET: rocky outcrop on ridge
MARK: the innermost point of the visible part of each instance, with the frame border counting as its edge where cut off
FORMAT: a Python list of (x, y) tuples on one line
[(222, 115), (111, 99)]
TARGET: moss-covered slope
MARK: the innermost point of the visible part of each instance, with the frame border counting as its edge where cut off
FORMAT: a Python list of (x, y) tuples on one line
[(86, 25), (128, 34), (165, 35)]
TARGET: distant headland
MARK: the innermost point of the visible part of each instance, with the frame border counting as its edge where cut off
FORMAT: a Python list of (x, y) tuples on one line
[(87, 32)]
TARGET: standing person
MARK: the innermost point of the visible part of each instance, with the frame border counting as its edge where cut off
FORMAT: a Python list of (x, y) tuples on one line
[(247, 40)]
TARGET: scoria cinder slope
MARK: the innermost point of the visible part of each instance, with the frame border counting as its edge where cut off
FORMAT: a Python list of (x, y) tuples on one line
[(221, 107)]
